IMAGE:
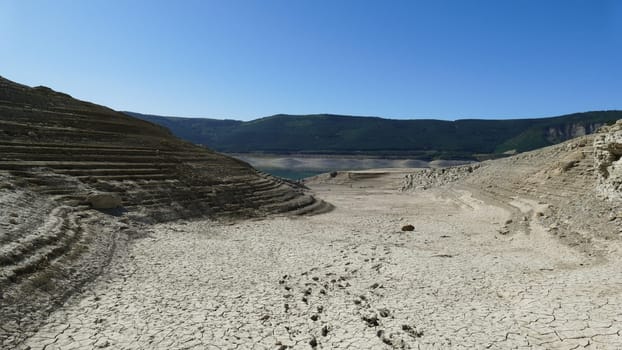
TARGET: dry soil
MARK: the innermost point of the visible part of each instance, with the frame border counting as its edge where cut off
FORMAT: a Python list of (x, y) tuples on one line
[(351, 279)]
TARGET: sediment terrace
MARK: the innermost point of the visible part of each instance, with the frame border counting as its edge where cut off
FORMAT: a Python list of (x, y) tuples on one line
[(57, 152)]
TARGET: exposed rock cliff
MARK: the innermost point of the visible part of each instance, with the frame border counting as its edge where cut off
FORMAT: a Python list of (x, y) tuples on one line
[(565, 132), (607, 153)]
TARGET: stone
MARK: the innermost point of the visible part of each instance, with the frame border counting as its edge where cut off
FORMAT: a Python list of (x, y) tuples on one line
[(104, 200), (408, 228), (313, 342), (102, 343)]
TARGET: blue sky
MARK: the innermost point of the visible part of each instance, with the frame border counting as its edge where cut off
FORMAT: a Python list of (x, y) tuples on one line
[(247, 59)]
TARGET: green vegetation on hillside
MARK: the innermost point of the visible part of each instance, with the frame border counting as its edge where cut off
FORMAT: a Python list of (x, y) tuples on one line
[(421, 138)]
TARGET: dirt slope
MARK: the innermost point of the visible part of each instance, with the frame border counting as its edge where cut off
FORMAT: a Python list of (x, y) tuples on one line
[(574, 185), (56, 153)]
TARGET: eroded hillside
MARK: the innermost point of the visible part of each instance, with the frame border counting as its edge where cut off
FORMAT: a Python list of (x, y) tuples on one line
[(61, 158)]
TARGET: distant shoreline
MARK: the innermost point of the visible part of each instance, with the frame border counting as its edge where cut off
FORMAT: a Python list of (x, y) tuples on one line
[(296, 166)]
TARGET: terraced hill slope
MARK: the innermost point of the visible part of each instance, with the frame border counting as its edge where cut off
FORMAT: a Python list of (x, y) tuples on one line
[(57, 154)]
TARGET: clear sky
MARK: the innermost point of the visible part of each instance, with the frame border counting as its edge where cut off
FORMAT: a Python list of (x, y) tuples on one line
[(246, 59)]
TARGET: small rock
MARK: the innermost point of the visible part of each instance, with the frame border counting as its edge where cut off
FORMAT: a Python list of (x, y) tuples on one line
[(102, 343), (372, 321), (313, 342), (509, 221), (104, 200), (408, 228)]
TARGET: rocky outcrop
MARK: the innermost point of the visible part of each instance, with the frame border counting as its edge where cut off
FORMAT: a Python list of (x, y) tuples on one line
[(565, 132), (607, 153), (423, 179)]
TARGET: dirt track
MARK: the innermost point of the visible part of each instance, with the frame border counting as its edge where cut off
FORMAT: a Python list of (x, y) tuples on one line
[(352, 279)]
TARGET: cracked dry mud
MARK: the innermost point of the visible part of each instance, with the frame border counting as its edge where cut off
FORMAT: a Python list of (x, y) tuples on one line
[(351, 279)]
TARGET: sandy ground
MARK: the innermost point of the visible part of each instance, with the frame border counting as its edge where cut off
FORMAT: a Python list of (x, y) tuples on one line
[(351, 279)]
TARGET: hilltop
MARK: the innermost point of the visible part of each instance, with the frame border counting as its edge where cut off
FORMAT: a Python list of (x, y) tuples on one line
[(425, 139)]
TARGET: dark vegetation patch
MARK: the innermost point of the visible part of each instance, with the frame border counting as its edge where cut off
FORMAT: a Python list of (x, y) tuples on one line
[(466, 139)]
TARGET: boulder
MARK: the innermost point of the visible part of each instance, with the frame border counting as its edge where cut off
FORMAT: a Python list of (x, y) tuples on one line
[(408, 228), (104, 200)]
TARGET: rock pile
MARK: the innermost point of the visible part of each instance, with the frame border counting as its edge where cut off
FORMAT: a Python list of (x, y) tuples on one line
[(428, 178)]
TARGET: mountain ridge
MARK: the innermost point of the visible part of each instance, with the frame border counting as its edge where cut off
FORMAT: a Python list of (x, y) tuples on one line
[(425, 139)]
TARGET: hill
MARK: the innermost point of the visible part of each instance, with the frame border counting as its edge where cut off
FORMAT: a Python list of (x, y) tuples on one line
[(77, 180), (422, 139)]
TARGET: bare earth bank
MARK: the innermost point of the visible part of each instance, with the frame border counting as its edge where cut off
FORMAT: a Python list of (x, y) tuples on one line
[(352, 279)]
